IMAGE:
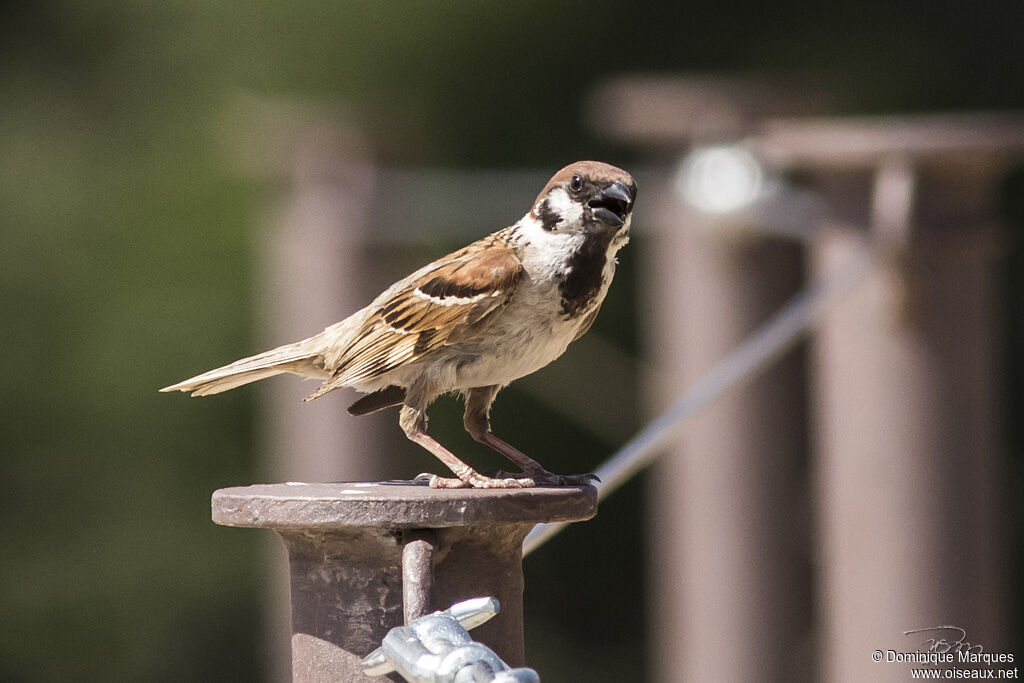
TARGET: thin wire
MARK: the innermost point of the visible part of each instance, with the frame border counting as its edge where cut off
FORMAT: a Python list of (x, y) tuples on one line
[(755, 354)]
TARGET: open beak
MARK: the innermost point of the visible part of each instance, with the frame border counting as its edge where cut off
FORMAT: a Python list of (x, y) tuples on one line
[(612, 204)]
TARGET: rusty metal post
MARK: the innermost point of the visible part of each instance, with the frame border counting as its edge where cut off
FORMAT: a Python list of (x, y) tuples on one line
[(350, 545), (907, 391)]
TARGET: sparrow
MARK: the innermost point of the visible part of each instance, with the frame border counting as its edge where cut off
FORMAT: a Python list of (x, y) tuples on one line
[(470, 322)]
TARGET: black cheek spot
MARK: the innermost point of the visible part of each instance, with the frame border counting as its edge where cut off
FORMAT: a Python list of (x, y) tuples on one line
[(549, 219)]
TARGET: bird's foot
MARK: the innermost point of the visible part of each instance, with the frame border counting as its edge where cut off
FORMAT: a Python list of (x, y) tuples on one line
[(479, 481)]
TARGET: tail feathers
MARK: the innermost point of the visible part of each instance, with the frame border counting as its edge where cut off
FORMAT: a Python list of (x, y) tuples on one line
[(218, 385), (294, 358)]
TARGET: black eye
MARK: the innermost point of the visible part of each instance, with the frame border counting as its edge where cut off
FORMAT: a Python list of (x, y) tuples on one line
[(576, 183)]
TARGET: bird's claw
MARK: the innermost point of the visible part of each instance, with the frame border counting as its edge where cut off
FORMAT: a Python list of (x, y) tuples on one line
[(545, 478), (479, 481), (552, 479)]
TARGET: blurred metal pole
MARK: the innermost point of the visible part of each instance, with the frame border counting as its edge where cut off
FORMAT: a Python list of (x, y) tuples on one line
[(726, 518), (910, 504), (314, 274), (726, 523)]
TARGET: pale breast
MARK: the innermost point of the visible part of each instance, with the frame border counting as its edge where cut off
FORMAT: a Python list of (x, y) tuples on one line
[(531, 332)]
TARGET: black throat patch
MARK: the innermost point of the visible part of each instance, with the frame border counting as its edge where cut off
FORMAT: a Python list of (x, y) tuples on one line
[(581, 282)]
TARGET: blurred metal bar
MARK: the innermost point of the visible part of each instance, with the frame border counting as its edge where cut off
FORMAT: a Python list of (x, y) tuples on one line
[(665, 112), (906, 397), (984, 141)]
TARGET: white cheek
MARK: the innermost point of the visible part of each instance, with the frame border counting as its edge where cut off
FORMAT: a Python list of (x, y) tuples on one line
[(544, 251), (561, 203), (530, 227)]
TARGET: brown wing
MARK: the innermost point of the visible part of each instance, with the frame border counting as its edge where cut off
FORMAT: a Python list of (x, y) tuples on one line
[(430, 311)]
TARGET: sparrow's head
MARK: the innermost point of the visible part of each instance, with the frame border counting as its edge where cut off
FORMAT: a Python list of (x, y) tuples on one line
[(587, 196)]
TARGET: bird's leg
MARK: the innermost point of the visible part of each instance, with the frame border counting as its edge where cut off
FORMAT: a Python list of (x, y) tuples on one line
[(414, 424), (478, 424)]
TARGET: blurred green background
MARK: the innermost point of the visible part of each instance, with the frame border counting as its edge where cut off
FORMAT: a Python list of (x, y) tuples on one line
[(127, 257)]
